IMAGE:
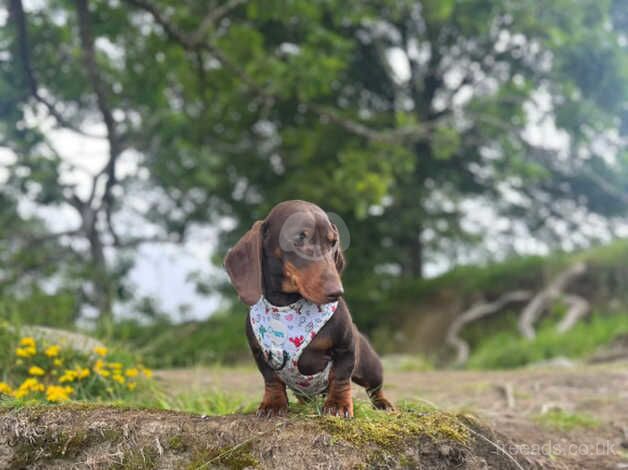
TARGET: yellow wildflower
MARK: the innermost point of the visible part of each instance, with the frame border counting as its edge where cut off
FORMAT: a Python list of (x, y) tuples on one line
[(131, 386), (147, 373), (26, 352), (115, 365), (58, 362), (82, 373), (28, 386), (52, 351), (99, 368), (68, 376), (5, 389), (132, 372), (118, 378), (56, 393), (101, 351), (34, 370), (29, 342)]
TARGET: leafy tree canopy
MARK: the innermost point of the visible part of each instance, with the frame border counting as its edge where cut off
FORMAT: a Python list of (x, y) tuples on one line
[(409, 119)]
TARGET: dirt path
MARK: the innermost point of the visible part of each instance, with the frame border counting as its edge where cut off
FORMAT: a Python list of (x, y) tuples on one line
[(590, 430)]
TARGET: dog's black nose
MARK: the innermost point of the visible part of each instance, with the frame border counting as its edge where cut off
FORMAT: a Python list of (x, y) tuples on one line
[(335, 295)]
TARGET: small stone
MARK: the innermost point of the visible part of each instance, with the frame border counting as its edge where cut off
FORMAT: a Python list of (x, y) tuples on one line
[(444, 450)]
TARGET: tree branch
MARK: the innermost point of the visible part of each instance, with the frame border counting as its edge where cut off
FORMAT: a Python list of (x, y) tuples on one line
[(212, 17), (539, 303), (136, 241), (102, 100), (18, 16), (476, 312), (578, 308)]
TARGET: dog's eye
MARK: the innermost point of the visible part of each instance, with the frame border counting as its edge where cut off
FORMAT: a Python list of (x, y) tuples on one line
[(301, 237), (334, 243)]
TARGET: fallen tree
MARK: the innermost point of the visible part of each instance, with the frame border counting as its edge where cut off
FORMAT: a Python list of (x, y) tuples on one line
[(552, 292), (538, 303), (476, 312)]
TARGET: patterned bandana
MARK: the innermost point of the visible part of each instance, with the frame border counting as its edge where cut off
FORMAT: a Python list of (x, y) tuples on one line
[(284, 332)]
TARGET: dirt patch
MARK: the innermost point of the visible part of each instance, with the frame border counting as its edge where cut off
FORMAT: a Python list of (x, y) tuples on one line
[(96, 437)]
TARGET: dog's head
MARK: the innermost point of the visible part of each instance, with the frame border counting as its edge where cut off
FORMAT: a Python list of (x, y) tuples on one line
[(296, 249)]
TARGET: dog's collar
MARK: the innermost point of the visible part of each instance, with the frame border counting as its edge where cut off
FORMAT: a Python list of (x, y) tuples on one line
[(295, 306)]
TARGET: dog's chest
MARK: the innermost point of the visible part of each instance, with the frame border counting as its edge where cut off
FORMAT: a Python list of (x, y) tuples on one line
[(284, 333)]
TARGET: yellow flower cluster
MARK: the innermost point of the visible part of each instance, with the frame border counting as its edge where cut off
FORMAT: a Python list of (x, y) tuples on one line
[(5, 389), (117, 373), (70, 375), (44, 376), (31, 385), (27, 348), (56, 393)]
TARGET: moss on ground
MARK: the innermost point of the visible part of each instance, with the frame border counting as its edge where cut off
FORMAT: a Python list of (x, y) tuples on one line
[(392, 430)]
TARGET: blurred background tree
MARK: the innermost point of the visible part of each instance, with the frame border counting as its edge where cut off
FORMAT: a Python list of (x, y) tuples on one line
[(423, 124)]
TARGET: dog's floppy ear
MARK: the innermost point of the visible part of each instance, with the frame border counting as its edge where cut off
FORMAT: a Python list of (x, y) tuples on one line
[(339, 258), (244, 265)]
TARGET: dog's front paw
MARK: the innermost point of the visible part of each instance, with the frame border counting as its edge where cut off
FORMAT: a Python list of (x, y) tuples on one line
[(343, 408), (382, 403), (268, 410)]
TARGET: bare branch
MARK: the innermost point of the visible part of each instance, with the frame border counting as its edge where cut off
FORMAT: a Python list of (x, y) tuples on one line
[(376, 135), (136, 241), (578, 308), (30, 241), (23, 45), (539, 303), (476, 312), (212, 17)]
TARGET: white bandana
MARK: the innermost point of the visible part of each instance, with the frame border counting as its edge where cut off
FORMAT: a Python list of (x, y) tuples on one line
[(284, 332)]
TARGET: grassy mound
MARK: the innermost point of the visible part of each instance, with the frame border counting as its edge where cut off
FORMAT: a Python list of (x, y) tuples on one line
[(107, 437)]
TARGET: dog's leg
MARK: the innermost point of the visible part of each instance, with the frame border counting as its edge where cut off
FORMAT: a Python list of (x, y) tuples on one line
[(339, 400), (369, 373), (275, 400)]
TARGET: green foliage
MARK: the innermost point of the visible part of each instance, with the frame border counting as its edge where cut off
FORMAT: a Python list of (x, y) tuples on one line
[(220, 339), (275, 100), (506, 349)]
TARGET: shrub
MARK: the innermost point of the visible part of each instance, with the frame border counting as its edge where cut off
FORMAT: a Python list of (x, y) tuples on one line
[(33, 370), (507, 349)]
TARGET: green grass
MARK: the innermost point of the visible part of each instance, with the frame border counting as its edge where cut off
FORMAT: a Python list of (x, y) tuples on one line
[(507, 349), (565, 421), (407, 363), (209, 403)]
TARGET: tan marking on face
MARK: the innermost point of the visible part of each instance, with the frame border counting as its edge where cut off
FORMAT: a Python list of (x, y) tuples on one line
[(307, 281)]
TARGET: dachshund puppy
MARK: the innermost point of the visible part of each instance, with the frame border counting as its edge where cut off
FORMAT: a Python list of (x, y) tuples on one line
[(287, 269)]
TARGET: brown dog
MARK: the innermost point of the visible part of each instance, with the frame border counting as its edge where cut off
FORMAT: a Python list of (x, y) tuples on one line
[(292, 260)]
